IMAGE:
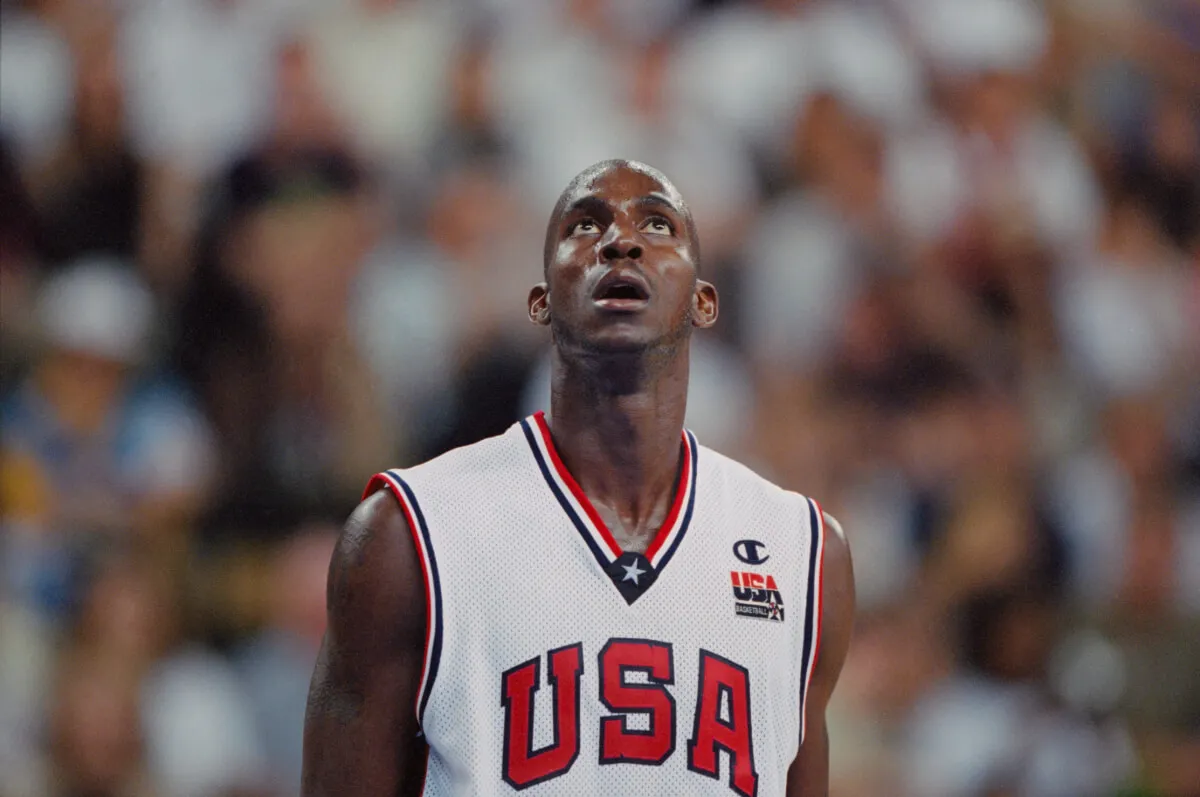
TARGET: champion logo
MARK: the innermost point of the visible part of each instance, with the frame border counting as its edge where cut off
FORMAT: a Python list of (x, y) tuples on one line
[(756, 595), (752, 552)]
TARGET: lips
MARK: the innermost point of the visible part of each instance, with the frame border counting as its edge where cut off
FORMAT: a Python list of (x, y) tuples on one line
[(621, 290)]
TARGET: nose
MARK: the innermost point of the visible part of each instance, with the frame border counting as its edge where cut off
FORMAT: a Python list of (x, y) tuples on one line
[(618, 244)]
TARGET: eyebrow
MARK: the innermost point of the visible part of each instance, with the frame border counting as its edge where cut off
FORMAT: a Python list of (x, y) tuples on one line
[(657, 200), (588, 204), (594, 205)]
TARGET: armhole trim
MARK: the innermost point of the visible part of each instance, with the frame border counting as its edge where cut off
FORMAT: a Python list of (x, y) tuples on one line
[(434, 631), (812, 617)]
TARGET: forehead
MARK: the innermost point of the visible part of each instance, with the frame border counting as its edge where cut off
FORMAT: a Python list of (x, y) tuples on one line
[(626, 182)]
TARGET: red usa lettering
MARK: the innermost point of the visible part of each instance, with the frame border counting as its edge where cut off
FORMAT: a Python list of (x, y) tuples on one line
[(523, 766), (755, 587)]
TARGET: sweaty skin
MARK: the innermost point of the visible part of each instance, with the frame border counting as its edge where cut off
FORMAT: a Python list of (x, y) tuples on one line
[(618, 399)]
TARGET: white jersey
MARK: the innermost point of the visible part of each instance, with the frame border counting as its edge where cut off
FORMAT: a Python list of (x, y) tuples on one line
[(557, 664)]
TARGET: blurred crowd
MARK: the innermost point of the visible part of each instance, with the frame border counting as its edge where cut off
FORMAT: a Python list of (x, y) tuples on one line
[(252, 251)]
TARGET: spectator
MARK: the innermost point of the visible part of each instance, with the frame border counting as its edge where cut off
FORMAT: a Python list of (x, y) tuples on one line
[(835, 218), (92, 444), (1099, 494), (198, 78), (271, 335), (990, 729), (479, 255), (1136, 270), (88, 187), (36, 86), (1001, 167), (96, 735), (194, 730), (387, 65)]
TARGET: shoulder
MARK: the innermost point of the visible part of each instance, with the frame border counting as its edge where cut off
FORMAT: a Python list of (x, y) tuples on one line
[(836, 562), (834, 533), (374, 576), (837, 601), (376, 526)]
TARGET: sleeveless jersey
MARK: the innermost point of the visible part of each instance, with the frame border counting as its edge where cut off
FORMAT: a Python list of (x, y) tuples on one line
[(557, 664)]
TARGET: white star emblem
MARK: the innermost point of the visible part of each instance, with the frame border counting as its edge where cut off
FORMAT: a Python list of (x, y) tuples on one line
[(632, 572)]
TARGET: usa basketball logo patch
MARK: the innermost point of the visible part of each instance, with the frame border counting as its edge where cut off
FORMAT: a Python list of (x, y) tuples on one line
[(756, 595)]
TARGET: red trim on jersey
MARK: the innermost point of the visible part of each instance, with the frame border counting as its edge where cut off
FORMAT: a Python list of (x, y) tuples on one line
[(818, 590), (676, 505), (426, 576), (574, 487), (373, 486), (685, 478)]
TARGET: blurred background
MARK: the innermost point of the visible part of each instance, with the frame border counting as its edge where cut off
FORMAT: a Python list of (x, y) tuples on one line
[(252, 251)]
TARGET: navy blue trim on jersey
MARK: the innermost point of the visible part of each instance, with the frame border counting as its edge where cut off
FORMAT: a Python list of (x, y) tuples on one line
[(436, 632), (562, 499), (809, 608), (689, 509), (619, 569)]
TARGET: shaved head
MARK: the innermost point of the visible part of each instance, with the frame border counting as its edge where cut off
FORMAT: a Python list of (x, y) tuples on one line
[(579, 187)]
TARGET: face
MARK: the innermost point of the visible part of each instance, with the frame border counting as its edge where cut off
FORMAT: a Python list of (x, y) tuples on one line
[(300, 259), (621, 272)]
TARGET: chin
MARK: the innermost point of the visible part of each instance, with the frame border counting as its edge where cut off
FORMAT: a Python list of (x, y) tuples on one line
[(634, 340), (622, 343), (628, 335)]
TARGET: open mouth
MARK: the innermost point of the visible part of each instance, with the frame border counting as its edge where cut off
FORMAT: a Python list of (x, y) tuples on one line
[(621, 291)]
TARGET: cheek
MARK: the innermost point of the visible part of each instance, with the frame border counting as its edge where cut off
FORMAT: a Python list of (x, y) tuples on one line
[(566, 253), (678, 301), (680, 276), (566, 272), (683, 253)]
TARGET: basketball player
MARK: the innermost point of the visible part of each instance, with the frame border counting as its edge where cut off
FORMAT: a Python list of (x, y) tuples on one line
[(592, 603)]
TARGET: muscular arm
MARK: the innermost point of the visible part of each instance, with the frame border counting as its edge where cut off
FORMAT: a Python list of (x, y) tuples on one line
[(360, 729), (809, 773)]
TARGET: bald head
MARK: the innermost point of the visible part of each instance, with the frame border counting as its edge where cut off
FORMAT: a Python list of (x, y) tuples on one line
[(582, 185)]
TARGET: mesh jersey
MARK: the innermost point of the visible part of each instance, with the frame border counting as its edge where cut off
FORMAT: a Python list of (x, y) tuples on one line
[(556, 664)]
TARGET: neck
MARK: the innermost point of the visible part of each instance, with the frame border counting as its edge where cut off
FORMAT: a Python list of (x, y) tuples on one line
[(617, 420)]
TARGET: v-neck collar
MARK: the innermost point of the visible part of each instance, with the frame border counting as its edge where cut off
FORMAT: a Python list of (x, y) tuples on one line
[(631, 573)]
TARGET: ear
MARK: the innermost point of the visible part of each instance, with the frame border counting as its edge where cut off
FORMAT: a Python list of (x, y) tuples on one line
[(704, 305), (539, 304)]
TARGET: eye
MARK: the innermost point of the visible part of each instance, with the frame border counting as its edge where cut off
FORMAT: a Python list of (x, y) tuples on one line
[(584, 226), (659, 226)]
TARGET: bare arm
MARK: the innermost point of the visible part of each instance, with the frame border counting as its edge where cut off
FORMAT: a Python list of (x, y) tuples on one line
[(360, 729), (809, 773)]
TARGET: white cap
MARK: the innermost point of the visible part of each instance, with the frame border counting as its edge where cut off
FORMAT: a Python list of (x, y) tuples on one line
[(98, 306), (969, 36)]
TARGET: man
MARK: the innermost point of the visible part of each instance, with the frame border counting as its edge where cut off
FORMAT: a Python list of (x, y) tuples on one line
[(590, 603)]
